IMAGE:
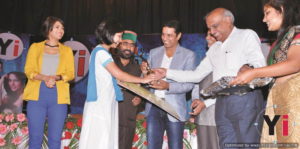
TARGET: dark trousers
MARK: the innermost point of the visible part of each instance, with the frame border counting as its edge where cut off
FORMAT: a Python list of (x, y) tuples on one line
[(38, 111), (157, 123), (126, 134), (237, 118)]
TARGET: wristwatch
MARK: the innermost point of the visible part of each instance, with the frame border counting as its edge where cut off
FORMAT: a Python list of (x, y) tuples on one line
[(249, 65), (59, 78)]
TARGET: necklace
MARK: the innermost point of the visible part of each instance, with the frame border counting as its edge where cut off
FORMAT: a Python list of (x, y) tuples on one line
[(51, 45)]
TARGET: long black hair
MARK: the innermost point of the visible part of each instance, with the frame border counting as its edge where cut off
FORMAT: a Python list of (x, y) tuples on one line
[(291, 13), (20, 76)]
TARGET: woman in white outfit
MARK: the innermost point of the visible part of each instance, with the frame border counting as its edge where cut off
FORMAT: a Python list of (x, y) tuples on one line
[(100, 115)]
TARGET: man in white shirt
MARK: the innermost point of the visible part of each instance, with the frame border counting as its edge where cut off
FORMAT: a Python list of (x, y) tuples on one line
[(235, 48)]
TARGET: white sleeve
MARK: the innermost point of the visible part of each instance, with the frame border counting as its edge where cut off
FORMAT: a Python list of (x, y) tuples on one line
[(195, 95), (202, 70), (253, 50), (195, 92), (104, 58)]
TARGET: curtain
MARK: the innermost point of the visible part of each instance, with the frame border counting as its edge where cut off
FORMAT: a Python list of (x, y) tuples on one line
[(142, 16)]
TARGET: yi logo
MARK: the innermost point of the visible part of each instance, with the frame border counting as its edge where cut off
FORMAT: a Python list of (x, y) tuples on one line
[(81, 58), (272, 124), (280, 124), (11, 46)]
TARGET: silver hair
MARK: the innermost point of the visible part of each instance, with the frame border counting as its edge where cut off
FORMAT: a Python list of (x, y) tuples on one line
[(229, 14), (226, 13)]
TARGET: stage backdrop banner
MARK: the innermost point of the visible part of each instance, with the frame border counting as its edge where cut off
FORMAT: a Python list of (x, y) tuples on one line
[(82, 45), (14, 49), (12, 60), (81, 58)]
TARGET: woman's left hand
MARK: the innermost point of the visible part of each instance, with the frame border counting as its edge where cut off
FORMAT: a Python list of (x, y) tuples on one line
[(51, 82), (243, 77)]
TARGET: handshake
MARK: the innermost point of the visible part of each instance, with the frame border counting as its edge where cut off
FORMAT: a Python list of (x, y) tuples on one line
[(157, 74)]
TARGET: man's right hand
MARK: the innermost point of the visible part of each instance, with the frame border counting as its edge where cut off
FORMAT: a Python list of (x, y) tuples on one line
[(136, 101), (197, 106)]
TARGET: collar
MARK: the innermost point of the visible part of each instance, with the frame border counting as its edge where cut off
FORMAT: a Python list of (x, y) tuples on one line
[(234, 30)]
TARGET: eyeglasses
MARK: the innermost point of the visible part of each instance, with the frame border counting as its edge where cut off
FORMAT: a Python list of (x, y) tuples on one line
[(131, 45)]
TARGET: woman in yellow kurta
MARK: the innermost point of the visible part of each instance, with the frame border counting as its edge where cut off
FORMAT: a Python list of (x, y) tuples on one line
[(49, 68), (284, 65)]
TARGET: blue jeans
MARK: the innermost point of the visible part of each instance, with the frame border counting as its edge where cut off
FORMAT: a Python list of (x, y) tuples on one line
[(46, 108), (157, 123)]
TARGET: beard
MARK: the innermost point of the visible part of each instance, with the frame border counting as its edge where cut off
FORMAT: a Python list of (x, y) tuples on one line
[(125, 54)]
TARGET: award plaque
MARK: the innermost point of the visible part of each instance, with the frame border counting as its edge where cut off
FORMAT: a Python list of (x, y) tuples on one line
[(137, 89)]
